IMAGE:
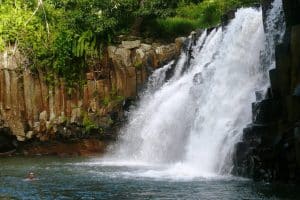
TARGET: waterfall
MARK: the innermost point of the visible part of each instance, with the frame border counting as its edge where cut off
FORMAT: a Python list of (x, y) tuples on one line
[(275, 30), (190, 122)]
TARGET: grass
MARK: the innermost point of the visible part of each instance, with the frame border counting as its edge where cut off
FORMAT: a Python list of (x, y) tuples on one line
[(189, 17), (177, 25)]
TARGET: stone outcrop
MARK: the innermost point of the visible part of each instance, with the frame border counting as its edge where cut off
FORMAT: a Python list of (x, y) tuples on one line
[(83, 147), (270, 147), (8, 143), (33, 110)]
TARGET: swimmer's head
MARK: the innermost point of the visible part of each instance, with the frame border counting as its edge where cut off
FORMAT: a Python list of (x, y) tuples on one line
[(30, 175)]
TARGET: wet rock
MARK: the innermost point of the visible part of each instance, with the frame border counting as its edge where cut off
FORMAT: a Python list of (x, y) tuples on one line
[(295, 49), (259, 95), (292, 9), (283, 68), (128, 102), (198, 79), (265, 111), (7, 141), (266, 6), (297, 91), (275, 86), (227, 17), (241, 151), (179, 42), (166, 53), (271, 144)]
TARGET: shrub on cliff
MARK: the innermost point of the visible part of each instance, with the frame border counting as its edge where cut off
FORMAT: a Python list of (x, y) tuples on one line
[(59, 36)]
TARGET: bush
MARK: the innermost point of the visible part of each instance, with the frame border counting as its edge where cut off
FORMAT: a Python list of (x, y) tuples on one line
[(190, 15), (174, 26), (60, 36), (88, 124), (209, 12)]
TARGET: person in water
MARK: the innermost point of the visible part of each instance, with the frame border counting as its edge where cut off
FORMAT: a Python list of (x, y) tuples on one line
[(30, 176)]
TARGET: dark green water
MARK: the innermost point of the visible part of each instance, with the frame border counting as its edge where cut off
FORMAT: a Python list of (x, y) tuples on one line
[(81, 178)]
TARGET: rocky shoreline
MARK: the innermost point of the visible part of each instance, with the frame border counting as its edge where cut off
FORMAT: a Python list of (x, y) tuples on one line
[(79, 147)]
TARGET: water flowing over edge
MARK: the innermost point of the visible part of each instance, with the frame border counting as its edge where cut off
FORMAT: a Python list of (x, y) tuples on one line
[(187, 126)]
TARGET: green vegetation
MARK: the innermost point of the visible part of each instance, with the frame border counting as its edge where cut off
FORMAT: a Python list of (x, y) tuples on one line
[(59, 36), (88, 124), (192, 15), (112, 98), (171, 27)]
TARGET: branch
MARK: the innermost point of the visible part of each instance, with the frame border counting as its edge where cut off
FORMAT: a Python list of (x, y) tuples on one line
[(47, 25), (35, 11), (40, 3)]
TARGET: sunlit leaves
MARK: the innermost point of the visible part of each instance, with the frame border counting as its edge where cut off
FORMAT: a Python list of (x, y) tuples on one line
[(62, 35)]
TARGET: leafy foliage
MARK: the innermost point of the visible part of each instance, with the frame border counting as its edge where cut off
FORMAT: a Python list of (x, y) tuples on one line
[(59, 36), (171, 27), (189, 15)]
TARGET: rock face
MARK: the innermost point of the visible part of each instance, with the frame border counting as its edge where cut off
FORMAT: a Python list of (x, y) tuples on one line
[(83, 147), (270, 148), (32, 110), (7, 142)]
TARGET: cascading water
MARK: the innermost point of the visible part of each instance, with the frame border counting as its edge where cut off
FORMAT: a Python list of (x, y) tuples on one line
[(275, 30), (190, 123)]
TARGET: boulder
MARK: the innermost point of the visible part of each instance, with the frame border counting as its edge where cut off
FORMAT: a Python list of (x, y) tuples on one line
[(29, 134), (131, 44), (111, 51), (21, 138), (166, 53), (140, 55), (179, 42), (146, 47), (43, 116), (122, 57)]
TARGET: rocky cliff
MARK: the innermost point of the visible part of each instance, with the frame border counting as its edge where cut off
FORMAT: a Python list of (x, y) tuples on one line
[(32, 110), (270, 147)]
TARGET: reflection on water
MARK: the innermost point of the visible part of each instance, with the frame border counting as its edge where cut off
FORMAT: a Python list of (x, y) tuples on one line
[(81, 178)]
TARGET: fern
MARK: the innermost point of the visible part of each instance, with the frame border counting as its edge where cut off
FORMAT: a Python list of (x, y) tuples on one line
[(85, 45)]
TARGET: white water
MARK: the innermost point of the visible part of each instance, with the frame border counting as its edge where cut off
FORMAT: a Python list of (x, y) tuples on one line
[(187, 127), (275, 28)]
